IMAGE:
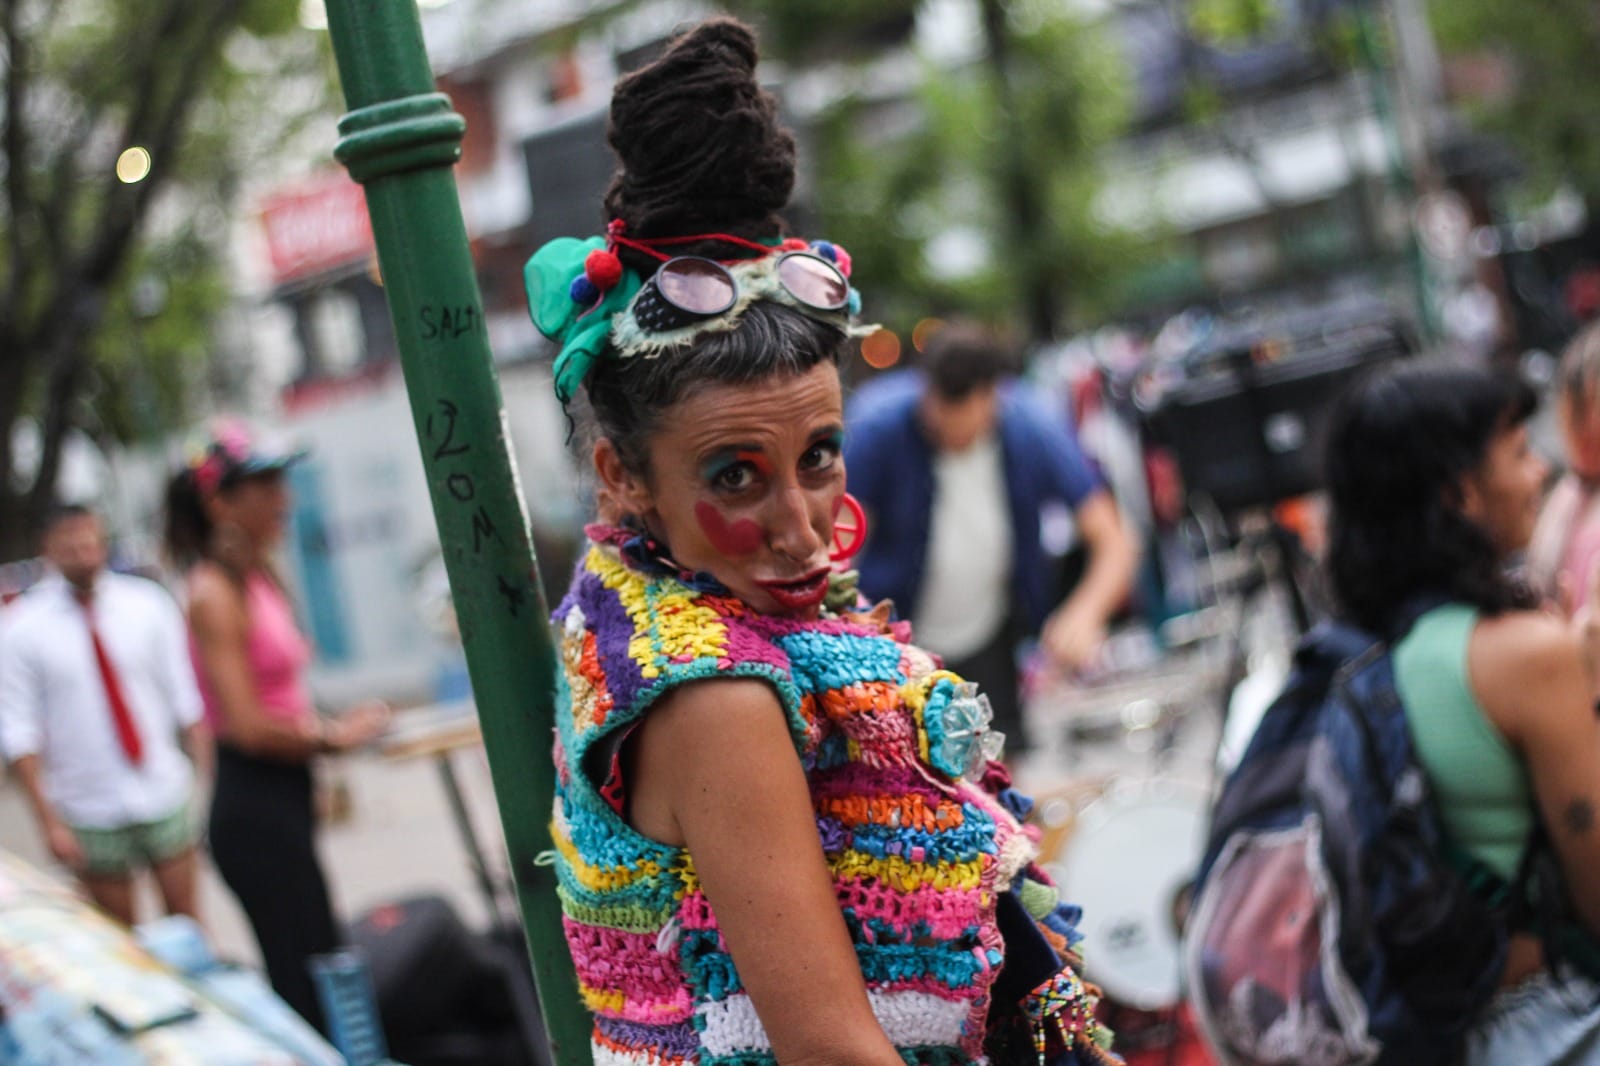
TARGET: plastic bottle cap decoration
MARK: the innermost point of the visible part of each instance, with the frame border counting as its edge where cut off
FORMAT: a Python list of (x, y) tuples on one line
[(849, 529)]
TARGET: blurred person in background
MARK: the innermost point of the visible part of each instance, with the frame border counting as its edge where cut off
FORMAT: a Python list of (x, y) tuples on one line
[(1566, 543), (226, 511), (1433, 490), (955, 463), (101, 722)]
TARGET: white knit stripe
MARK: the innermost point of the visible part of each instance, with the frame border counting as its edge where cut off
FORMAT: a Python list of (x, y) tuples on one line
[(909, 1019), (610, 1056), (914, 1018)]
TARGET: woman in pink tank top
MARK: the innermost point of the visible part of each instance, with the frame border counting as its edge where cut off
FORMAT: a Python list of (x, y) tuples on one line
[(276, 654), (225, 513)]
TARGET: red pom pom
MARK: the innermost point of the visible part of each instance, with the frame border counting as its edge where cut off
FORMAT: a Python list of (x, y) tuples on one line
[(794, 244), (603, 268)]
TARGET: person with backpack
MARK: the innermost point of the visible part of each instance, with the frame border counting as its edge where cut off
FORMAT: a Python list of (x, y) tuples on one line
[(1413, 830)]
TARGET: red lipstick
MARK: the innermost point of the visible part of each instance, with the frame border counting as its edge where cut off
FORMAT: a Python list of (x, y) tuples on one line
[(800, 593)]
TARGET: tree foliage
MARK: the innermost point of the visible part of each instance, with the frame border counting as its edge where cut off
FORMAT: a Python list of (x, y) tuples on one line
[(108, 290), (1006, 148), (998, 160), (820, 30), (1548, 112)]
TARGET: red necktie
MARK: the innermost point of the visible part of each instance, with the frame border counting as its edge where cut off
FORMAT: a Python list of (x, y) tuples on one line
[(121, 716)]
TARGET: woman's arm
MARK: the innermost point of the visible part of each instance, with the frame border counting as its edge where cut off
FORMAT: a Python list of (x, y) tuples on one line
[(713, 768), (220, 621), (1528, 673)]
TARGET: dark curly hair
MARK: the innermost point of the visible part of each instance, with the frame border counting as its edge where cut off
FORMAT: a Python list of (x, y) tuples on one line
[(701, 151), (699, 144), (1399, 443)]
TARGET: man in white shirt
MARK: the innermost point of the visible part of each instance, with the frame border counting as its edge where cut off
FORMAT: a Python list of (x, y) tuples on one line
[(100, 720), (958, 466)]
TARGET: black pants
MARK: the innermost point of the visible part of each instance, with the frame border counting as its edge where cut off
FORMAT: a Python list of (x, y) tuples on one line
[(994, 668), (262, 822)]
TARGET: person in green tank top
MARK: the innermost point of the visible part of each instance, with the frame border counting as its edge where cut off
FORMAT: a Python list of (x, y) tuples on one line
[(1434, 491)]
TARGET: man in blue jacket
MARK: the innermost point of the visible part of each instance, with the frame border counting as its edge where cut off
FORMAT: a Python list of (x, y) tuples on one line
[(955, 464)]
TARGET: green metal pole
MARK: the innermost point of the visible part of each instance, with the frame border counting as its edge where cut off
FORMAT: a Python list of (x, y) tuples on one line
[(1374, 55), (400, 140)]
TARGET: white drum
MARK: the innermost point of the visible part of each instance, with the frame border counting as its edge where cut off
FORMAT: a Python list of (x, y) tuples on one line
[(1130, 856)]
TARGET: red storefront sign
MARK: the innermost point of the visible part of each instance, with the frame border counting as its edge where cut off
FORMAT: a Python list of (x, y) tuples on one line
[(315, 226)]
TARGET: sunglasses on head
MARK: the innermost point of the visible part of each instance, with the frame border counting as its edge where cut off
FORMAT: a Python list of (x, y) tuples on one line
[(689, 288)]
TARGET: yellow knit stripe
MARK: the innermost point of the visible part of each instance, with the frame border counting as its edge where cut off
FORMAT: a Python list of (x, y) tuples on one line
[(905, 876), (676, 624)]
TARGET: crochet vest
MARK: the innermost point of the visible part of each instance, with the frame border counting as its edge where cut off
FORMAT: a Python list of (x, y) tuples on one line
[(919, 855)]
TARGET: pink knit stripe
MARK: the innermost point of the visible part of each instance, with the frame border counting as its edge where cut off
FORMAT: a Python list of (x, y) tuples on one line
[(633, 1006), (932, 988), (624, 975), (695, 912), (949, 913)]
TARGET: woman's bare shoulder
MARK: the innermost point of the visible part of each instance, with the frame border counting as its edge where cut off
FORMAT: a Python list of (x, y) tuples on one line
[(1524, 643), (708, 712), (1527, 670), (213, 595), (706, 746)]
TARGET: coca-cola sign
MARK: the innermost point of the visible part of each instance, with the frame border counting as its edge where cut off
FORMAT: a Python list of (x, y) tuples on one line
[(315, 226)]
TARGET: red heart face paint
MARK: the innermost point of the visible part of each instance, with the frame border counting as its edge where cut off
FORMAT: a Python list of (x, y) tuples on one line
[(744, 480), (739, 537)]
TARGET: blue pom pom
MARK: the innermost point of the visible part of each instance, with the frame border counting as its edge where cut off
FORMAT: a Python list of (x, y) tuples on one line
[(583, 291), (855, 301), (826, 250)]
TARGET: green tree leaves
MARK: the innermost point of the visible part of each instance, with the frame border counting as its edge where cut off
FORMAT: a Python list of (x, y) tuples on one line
[(85, 251)]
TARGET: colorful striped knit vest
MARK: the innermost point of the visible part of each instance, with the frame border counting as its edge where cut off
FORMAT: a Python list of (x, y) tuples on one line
[(919, 855)]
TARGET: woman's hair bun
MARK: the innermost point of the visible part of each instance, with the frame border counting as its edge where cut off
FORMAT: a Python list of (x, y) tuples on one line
[(699, 141)]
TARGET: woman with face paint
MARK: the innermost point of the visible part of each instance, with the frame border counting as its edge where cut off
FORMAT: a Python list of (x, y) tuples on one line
[(781, 833)]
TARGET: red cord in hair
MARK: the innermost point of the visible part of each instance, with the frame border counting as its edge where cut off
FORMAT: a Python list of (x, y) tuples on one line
[(615, 235)]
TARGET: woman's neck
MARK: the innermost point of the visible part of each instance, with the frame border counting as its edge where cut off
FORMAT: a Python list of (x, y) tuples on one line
[(240, 556)]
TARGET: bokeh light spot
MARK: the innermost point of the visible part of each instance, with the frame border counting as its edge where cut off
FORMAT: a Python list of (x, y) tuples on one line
[(881, 350), (133, 165)]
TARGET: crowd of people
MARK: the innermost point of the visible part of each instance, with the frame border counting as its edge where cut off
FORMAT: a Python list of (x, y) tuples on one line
[(706, 640), (140, 735), (785, 828)]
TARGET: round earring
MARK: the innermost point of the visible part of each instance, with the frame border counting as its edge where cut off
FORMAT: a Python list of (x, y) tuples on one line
[(849, 535)]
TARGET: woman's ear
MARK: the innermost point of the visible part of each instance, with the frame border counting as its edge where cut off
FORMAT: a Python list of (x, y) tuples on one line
[(620, 488), (1467, 497), (216, 508)]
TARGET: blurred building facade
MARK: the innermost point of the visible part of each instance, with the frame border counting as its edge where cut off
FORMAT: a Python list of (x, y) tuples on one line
[(1296, 185), (363, 548)]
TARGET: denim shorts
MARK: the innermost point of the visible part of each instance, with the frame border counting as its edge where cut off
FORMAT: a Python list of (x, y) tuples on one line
[(1539, 1022), (121, 851)]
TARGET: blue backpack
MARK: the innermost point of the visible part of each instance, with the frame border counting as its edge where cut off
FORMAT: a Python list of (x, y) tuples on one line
[(1332, 922)]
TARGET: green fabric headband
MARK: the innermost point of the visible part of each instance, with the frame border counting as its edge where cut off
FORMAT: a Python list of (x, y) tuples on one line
[(588, 320), (583, 331)]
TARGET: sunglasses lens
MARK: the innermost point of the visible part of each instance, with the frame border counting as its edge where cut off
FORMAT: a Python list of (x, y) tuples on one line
[(698, 286), (814, 281)]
